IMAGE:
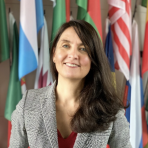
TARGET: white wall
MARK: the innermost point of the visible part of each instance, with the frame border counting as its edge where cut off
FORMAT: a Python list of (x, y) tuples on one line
[(14, 5)]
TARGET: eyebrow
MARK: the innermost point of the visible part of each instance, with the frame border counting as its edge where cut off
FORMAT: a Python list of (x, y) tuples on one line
[(64, 40)]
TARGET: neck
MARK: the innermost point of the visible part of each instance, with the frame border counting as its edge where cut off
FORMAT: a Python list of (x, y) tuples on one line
[(68, 90)]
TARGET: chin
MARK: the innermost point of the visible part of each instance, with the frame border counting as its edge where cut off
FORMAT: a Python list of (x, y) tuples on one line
[(72, 77)]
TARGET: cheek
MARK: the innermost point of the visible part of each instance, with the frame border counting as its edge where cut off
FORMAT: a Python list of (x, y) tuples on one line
[(59, 57), (86, 62)]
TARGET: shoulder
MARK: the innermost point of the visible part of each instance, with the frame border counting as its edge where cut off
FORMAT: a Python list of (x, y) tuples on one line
[(32, 97), (41, 91), (120, 118), (35, 94), (120, 122), (120, 136)]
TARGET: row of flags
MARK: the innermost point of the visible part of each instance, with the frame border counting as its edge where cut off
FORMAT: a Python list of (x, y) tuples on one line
[(123, 40), (121, 48)]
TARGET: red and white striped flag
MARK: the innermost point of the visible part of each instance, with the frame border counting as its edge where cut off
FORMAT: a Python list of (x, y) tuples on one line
[(43, 74), (120, 17)]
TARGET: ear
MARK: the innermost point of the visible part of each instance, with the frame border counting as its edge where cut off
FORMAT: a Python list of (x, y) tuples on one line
[(53, 58)]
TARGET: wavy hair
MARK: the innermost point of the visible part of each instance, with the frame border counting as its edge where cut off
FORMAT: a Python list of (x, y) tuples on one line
[(99, 101)]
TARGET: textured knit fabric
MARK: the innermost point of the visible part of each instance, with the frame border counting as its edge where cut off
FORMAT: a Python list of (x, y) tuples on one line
[(34, 124), (66, 142)]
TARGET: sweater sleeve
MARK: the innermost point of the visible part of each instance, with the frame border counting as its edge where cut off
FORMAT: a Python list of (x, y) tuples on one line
[(18, 137), (120, 136)]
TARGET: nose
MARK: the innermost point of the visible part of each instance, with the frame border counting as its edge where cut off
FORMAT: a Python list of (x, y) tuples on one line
[(73, 53)]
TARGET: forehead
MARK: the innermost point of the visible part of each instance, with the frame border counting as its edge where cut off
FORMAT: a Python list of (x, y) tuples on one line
[(71, 35)]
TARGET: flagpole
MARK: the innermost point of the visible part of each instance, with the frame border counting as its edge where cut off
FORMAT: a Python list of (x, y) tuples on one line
[(134, 10)]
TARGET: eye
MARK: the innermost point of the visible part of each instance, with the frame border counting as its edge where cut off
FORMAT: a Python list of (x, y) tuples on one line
[(65, 46), (82, 49)]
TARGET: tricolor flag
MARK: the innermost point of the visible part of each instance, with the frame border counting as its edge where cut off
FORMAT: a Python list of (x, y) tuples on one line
[(87, 11), (31, 21), (59, 16), (14, 93), (4, 43), (120, 17), (134, 112), (43, 74)]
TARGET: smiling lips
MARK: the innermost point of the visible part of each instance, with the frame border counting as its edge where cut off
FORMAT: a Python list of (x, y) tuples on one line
[(72, 65)]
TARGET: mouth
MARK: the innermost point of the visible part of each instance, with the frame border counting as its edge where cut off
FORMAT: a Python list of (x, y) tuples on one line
[(72, 64)]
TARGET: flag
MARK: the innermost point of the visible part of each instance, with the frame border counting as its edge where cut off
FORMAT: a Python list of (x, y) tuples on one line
[(144, 122), (4, 45), (39, 14), (145, 49), (127, 99), (43, 74), (23, 85), (31, 22), (109, 50), (107, 23), (59, 16), (67, 10), (145, 53), (82, 9), (144, 3), (14, 89), (120, 17), (90, 12), (134, 113)]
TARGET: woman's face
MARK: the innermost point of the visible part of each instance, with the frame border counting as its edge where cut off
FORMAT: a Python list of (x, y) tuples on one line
[(70, 57)]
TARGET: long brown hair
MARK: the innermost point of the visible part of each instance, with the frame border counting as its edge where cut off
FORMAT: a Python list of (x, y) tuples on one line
[(99, 101)]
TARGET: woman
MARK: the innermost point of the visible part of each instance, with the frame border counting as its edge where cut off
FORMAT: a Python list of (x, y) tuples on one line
[(81, 108)]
